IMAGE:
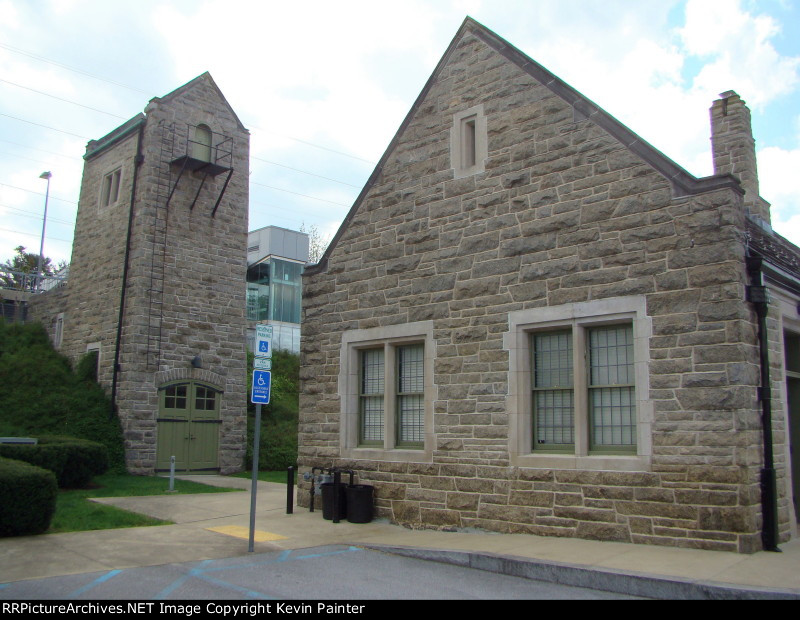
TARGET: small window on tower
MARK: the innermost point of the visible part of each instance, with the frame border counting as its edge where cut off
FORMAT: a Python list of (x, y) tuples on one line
[(109, 193), (201, 146)]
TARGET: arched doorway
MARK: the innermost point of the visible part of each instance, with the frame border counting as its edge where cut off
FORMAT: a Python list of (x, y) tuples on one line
[(188, 427), (201, 147)]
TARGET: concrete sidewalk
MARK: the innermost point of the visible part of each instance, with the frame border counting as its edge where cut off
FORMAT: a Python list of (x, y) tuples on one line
[(216, 525)]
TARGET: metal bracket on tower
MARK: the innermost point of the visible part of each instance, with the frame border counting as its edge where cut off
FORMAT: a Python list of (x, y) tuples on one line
[(197, 195), (224, 187), (174, 187)]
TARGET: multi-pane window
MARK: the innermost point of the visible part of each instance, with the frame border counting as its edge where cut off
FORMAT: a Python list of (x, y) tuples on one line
[(553, 399), (612, 408), (371, 396), (205, 399), (410, 395), (175, 397), (109, 193), (393, 394), (606, 369), (191, 397)]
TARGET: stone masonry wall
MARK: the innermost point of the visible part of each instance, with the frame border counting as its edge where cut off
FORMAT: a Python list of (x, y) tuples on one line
[(563, 213), (201, 310), (98, 250)]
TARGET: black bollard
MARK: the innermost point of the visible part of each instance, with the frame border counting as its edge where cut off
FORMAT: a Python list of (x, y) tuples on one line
[(290, 490), (337, 483)]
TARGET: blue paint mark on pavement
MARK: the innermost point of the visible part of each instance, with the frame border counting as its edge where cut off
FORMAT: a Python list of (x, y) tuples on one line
[(179, 582), (226, 584), (94, 583)]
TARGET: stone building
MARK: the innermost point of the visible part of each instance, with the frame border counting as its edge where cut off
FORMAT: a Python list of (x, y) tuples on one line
[(531, 320), (157, 279)]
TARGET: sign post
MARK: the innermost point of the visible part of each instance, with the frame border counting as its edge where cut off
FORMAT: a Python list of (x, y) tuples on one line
[(259, 395)]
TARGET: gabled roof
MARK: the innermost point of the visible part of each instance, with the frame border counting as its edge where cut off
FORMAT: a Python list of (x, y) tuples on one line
[(683, 183), (205, 77), (95, 147)]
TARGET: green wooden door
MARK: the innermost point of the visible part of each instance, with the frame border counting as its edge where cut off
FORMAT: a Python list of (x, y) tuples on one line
[(188, 428)]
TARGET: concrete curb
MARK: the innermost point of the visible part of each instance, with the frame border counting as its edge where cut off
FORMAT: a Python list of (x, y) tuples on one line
[(609, 580)]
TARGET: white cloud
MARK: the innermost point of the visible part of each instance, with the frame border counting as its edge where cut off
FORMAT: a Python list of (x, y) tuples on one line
[(740, 52), (310, 82), (9, 16), (344, 75), (778, 170)]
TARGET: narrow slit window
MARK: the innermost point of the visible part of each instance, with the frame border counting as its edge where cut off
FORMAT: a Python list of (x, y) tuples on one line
[(468, 156), (469, 142)]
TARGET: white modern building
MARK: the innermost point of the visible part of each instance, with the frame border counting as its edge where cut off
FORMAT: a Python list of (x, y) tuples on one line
[(275, 260)]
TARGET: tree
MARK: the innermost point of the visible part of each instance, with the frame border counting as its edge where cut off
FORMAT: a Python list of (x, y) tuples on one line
[(13, 272), (317, 244)]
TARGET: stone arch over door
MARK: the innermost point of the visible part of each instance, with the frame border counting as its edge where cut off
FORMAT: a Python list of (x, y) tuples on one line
[(188, 426)]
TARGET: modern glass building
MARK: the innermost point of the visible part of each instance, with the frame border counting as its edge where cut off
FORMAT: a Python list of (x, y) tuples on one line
[(275, 260)]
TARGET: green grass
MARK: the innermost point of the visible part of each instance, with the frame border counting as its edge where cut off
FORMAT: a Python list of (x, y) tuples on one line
[(266, 476), (74, 513)]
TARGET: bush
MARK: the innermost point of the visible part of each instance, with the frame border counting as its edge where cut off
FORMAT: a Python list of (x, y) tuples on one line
[(277, 446), (86, 370), (41, 395), (27, 498), (73, 461)]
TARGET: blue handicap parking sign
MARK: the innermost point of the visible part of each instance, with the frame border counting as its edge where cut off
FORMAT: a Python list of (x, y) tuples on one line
[(263, 346), (261, 386)]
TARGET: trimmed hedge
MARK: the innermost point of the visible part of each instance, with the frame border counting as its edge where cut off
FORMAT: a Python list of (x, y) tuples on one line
[(27, 498), (73, 461)]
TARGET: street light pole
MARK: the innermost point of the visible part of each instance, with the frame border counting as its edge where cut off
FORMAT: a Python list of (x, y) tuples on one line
[(44, 175)]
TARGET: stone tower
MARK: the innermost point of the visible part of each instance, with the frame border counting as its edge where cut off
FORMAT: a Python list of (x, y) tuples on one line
[(157, 279)]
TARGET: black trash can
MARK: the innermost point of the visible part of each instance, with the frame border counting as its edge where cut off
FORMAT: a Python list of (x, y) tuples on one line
[(359, 503), (328, 498)]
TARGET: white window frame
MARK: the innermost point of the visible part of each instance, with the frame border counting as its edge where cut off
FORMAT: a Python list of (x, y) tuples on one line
[(96, 346), (58, 330), (469, 146), (577, 317), (389, 338), (110, 188)]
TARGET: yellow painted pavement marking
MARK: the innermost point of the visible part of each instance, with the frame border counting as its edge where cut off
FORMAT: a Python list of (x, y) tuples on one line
[(242, 532)]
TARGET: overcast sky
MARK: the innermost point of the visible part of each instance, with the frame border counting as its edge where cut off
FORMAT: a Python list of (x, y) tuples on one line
[(323, 86)]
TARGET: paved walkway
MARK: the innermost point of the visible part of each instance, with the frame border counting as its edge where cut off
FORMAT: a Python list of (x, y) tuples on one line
[(216, 525)]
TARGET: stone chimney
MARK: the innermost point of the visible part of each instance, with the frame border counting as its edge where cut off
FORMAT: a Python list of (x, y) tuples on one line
[(734, 150)]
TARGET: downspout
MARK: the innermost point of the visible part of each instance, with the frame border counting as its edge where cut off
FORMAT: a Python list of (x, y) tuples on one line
[(758, 296), (137, 162)]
